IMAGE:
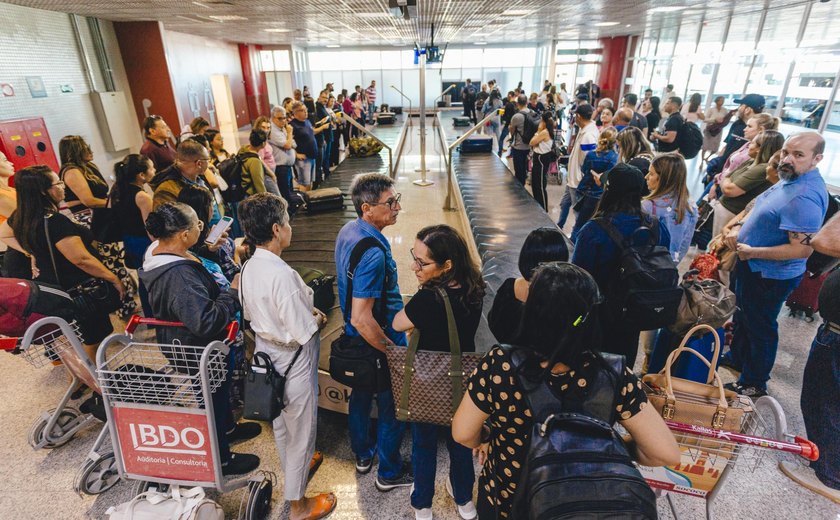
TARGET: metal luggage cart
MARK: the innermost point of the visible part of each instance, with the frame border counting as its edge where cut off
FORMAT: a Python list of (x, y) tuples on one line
[(708, 455), (160, 413)]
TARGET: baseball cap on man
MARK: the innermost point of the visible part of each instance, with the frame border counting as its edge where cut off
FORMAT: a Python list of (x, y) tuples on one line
[(624, 178), (754, 101)]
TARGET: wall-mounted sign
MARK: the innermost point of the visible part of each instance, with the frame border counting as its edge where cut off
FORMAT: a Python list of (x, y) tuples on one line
[(66, 88), (37, 89), (7, 89)]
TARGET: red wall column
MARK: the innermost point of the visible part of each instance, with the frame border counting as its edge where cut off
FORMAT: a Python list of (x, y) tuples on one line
[(144, 56), (256, 90), (614, 52)]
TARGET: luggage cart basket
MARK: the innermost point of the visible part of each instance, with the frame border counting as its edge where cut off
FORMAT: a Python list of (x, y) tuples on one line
[(708, 454), (158, 400)]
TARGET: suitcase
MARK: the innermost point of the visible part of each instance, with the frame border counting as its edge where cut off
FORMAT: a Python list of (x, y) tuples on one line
[(325, 199), (686, 367), (396, 110), (477, 143), (321, 285), (385, 118), (461, 121), (804, 298)]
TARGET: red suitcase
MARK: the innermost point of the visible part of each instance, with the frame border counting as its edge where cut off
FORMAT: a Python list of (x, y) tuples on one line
[(804, 298)]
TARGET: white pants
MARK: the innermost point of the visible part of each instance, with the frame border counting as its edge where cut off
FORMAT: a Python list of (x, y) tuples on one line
[(295, 427), (721, 217)]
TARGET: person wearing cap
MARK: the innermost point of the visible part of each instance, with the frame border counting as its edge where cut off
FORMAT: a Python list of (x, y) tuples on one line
[(585, 142), (748, 106), (621, 206)]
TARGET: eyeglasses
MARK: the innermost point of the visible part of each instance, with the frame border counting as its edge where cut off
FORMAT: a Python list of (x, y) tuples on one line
[(390, 202), (59, 183), (200, 225), (419, 263)]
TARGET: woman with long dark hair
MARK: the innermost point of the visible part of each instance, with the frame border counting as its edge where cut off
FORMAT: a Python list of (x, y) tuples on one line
[(442, 262), (541, 147), (560, 344), (691, 111), (620, 207), (654, 116), (86, 195), (61, 249)]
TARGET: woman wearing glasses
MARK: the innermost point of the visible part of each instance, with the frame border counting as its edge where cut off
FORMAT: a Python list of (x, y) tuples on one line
[(441, 261)]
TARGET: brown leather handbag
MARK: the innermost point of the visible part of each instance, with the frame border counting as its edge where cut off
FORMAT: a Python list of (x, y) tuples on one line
[(428, 386), (699, 404)]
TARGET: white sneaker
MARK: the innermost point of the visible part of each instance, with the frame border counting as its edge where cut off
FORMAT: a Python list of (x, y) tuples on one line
[(466, 511), (423, 514), (805, 477)]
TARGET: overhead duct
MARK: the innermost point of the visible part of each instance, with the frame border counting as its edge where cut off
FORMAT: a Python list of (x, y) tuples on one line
[(406, 9)]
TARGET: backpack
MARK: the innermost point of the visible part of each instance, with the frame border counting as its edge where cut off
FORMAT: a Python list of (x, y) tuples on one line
[(647, 294), (23, 302), (530, 125), (820, 263), (689, 139), (577, 465), (231, 171)]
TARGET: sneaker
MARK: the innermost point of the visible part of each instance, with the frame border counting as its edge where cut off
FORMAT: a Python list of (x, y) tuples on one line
[(423, 514), (466, 511), (363, 465), (405, 479), (753, 392), (240, 463), (805, 477), (244, 431), (726, 362)]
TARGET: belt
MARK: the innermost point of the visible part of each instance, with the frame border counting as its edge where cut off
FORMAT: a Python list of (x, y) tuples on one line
[(833, 327)]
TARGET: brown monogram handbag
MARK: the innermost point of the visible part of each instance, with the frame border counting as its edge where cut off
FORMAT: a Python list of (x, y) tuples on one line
[(428, 386)]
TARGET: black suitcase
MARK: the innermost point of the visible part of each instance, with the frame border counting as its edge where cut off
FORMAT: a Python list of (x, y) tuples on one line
[(477, 143), (385, 118), (325, 199), (461, 121), (396, 110)]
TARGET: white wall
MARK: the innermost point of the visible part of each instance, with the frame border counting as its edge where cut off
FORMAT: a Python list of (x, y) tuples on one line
[(41, 43)]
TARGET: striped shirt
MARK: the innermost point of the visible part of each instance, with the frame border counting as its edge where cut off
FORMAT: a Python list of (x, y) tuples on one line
[(586, 141), (370, 92)]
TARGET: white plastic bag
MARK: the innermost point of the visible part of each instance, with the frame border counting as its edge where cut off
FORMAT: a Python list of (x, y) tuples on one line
[(176, 504)]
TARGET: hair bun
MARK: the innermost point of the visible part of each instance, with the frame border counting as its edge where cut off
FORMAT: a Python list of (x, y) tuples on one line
[(155, 224)]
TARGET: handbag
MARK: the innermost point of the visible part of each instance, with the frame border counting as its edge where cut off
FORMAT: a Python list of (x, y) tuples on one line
[(91, 297), (704, 211), (190, 504), (105, 226), (726, 256), (700, 404), (704, 301), (430, 384), (265, 388), (353, 362)]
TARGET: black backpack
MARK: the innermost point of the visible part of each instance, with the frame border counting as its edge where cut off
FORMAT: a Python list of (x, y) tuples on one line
[(530, 125), (577, 465), (231, 171), (647, 294), (689, 139), (820, 263)]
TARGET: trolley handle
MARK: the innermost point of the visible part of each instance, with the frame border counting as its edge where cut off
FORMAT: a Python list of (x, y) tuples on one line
[(134, 321), (800, 446), (809, 449)]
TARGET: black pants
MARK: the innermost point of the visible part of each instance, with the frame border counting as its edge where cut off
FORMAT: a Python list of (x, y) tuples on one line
[(520, 164), (539, 177), (334, 151), (619, 336)]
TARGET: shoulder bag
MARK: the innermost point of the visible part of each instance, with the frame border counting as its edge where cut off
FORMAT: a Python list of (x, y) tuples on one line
[(353, 362), (265, 388), (91, 297), (704, 301), (430, 384), (105, 226)]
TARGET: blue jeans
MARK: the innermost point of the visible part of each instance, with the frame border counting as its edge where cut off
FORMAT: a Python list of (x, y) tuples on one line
[(325, 157), (371, 108), (569, 199), (504, 134), (587, 209), (520, 164), (820, 406), (388, 431), (424, 439), (755, 337), (135, 247)]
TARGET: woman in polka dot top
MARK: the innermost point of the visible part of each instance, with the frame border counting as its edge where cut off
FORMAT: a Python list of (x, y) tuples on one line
[(561, 332)]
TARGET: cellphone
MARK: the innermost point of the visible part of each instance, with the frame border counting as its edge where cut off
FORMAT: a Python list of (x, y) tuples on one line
[(217, 231)]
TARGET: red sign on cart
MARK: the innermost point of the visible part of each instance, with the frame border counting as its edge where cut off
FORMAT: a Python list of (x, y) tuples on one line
[(171, 445)]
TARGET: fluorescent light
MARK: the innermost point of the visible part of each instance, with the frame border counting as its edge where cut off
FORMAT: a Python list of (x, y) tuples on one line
[(277, 30), (628, 25), (479, 43), (517, 12), (333, 46), (605, 24), (667, 8), (199, 4), (227, 17)]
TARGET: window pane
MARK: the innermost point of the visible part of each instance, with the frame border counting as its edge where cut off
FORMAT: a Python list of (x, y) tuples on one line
[(809, 90), (391, 60), (267, 61), (281, 60)]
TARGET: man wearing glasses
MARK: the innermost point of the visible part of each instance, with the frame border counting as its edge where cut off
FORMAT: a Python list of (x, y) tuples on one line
[(375, 301), (191, 160)]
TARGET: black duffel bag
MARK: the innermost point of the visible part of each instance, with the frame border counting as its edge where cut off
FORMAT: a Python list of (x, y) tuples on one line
[(358, 365)]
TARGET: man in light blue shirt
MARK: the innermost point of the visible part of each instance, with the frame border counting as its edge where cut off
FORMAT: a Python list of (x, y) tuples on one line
[(370, 318), (773, 244)]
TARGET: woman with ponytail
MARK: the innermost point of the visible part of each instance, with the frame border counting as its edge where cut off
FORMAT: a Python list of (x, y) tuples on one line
[(132, 205), (560, 344), (594, 165)]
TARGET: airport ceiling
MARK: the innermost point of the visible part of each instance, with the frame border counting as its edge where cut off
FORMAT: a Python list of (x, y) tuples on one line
[(368, 22)]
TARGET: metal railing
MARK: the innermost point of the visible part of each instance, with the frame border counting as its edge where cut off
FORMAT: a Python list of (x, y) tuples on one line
[(408, 114), (400, 144), (448, 205), (391, 171)]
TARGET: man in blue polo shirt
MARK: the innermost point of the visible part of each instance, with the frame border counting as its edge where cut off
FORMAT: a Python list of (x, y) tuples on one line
[(773, 244), (377, 204)]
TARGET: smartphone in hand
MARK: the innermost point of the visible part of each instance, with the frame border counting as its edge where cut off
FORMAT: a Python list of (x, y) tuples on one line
[(218, 230)]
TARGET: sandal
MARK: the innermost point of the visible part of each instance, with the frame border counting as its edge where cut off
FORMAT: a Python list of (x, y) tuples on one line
[(315, 463), (324, 505)]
